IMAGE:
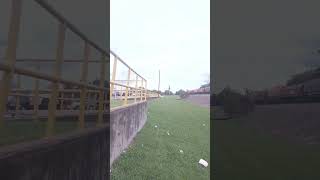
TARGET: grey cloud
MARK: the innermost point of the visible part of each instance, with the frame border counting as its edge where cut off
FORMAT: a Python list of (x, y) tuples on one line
[(258, 44)]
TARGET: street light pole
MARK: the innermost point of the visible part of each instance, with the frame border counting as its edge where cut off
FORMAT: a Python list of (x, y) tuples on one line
[(159, 85)]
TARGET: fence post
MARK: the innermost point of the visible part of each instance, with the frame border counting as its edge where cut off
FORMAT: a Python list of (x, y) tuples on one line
[(141, 89), (136, 89), (127, 89), (55, 85), (36, 97), (101, 92), (84, 74), (61, 99), (18, 97), (113, 78), (10, 57), (146, 91)]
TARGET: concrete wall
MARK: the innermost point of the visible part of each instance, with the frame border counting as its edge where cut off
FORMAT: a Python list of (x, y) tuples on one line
[(80, 155), (125, 123)]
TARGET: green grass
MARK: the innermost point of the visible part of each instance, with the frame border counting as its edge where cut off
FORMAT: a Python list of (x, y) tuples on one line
[(244, 154), (155, 155), (22, 131)]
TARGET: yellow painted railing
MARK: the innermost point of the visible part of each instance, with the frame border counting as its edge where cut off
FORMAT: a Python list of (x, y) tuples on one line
[(132, 87), (81, 90), (9, 69)]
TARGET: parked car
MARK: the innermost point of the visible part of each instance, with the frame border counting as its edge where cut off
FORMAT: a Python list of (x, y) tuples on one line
[(75, 105)]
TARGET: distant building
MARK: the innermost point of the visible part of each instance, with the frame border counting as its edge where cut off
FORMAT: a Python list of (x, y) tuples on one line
[(311, 87)]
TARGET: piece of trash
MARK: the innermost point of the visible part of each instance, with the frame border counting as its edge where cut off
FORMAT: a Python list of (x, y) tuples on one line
[(181, 151), (155, 126), (142, 145), (168, 133), (203, 162), (203, 125), (124, 151)]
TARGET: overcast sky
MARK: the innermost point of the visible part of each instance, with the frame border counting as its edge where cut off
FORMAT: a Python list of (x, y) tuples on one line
[(170, 35), (261, 43), (256, 43)]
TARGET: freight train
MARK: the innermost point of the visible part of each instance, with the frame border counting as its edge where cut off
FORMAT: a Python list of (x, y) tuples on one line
[(204, 90), (307, 91)]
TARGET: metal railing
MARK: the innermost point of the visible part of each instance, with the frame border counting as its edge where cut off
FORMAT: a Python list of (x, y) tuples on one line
[(81, 89), (9, 68), (123, 89), (131, 87)]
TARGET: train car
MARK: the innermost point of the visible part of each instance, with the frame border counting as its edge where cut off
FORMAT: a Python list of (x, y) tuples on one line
[(311, 87), (277, 91)]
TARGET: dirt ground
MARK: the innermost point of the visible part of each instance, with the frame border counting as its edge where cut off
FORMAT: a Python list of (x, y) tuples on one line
[(200, 99), (297, 122)]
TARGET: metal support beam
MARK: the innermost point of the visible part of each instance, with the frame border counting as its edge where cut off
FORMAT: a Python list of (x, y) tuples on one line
[(16, 8), (114, 70), (18, 97), (83, 95), (145, 91), (101, 92), (141, 89), (127, 89), (36, 97), (135, 90), (55, 85)]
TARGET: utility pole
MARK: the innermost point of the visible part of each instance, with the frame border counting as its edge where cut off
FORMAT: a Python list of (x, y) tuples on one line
[(159, 85)]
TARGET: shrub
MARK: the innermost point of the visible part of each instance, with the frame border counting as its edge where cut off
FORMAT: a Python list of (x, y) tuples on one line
[(234, 102), (183, 95)]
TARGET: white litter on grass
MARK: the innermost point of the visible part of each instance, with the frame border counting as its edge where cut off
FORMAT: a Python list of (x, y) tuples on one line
[(203, 125), (203, 162), (181, 151), (155, 126), (124, 151), (168, 133), (142, 145)]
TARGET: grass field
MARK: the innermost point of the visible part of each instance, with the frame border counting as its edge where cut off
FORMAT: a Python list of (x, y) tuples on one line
[(242, 153), (156, 155)]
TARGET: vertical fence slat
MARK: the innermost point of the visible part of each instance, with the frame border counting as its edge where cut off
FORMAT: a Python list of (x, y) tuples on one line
[(18, 97), (136, 90), (127, 89), (146, 91), (101, 92), (83, 95), (55, 85), (141, 89), (13, 34), (36, 97), (113, 78), (61, 100)]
